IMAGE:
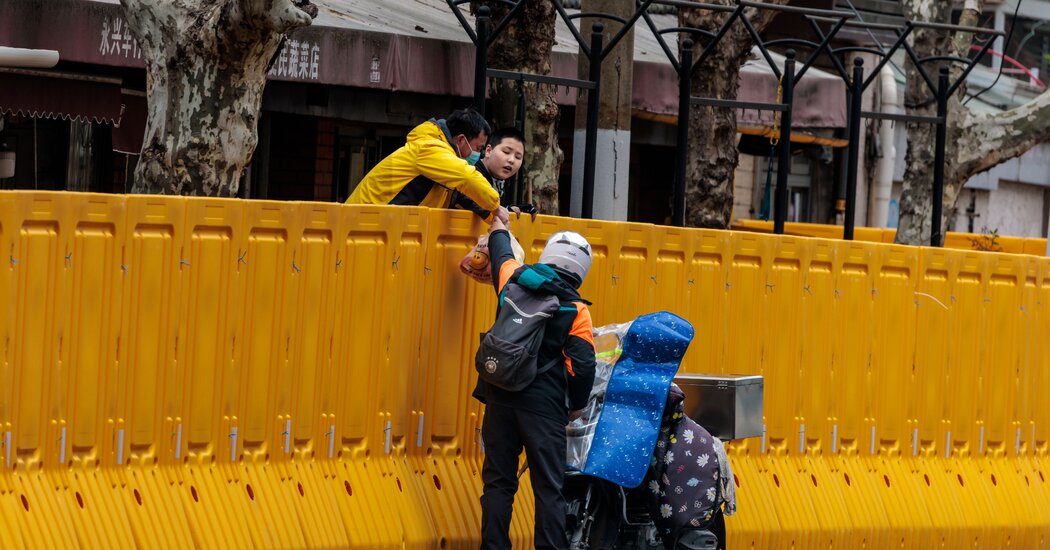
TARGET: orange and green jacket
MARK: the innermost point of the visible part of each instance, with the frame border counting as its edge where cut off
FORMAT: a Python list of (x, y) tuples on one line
[(424, 172), (568, 338)]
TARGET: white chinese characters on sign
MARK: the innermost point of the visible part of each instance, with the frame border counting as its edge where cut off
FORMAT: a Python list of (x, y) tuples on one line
[(374, 75), (298, 59), (117, 40)]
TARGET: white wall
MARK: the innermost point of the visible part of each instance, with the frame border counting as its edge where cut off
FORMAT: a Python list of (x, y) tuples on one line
[(1014, 209), (611, 174)]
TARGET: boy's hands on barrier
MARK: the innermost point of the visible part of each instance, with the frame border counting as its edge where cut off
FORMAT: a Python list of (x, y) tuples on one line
[(524, 209)]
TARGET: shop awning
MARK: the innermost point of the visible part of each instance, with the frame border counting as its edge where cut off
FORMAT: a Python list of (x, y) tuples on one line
[(413, 46), (56, 95)]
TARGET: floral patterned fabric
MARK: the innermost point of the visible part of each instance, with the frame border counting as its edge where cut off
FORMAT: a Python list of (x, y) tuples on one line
[(684, 485)]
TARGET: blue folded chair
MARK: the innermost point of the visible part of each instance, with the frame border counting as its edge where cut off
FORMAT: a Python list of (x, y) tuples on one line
[(634, 401)]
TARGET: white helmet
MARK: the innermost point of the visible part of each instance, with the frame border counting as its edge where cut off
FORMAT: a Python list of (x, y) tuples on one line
[(569, 251)]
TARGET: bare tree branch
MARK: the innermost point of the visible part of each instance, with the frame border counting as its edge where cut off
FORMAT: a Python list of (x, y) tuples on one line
[(989, 140), (976, 143), (968, 18)]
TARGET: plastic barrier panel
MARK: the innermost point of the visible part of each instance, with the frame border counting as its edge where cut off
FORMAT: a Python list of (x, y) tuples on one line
[(184, 372), (959, 241)]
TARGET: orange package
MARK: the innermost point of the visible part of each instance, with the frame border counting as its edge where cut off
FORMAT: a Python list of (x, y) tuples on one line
[(476, 263)]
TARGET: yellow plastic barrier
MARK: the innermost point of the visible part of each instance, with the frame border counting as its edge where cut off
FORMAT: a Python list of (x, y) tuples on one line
[(959, 241), (220, 373)]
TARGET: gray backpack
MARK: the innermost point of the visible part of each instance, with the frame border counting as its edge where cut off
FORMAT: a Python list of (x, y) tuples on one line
[(507, 357)]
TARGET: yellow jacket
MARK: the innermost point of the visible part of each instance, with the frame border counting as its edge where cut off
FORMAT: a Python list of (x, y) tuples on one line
[(424, 172)]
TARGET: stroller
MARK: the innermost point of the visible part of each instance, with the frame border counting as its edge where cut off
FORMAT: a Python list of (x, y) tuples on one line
[(641, 472)]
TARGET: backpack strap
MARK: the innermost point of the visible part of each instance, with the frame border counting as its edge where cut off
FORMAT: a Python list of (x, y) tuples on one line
[(550, 365), (534, 276), (531, 277)]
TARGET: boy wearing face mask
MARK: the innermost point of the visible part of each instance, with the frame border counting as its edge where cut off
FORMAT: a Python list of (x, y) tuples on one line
[(501, 162), (437, 159)]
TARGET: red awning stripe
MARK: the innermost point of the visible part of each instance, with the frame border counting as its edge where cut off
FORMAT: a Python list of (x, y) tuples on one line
[(41, 94)]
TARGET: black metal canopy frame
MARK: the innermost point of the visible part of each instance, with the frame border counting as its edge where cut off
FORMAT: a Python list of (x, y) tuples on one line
[(685, 67), (940, 92), (594, 49)]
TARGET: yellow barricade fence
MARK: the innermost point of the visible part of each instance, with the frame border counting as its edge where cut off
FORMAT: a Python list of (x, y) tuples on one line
[(962, 241), (190, 372)]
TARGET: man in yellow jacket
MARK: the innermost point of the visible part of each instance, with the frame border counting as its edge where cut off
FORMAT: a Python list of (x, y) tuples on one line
[(438, 158)]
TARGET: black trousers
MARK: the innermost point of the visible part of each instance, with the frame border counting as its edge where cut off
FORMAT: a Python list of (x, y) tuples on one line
[(718, 528), (505, 431)]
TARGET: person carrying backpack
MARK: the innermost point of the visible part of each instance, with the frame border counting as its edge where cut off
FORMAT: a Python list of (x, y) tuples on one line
[(548, 380)]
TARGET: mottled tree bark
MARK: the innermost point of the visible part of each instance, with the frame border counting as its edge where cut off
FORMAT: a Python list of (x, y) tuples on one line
[(525, 46), (713, 155), (206, 64), (916, 196), (976, 142)]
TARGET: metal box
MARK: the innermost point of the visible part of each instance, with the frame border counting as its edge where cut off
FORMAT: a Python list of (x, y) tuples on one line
[(727, 405)]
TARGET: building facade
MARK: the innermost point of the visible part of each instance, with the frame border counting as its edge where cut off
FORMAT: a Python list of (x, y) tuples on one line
[(342, 94)]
